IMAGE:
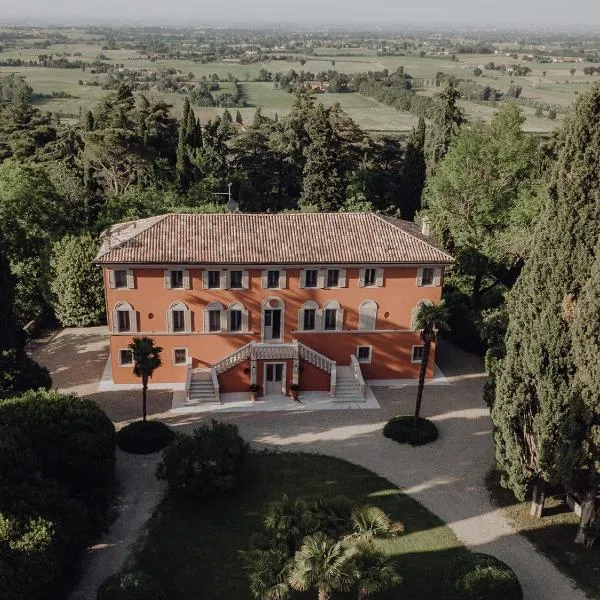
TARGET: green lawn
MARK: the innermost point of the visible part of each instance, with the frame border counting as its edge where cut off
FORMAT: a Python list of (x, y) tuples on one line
[(192, 548), (552, 535)]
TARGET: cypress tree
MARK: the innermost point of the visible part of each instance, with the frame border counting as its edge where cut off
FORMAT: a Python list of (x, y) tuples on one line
[(540, 420), (414, 172), (586, 350), (181, 164), (238, 117)]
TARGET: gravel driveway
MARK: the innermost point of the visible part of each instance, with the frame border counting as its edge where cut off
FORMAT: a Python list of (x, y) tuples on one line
[(447, 477)]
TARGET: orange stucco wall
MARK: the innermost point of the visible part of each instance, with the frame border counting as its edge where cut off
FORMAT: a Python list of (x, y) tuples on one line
[(392, 343)]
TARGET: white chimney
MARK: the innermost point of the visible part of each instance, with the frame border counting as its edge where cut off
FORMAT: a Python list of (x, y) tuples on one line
[(425, 223)]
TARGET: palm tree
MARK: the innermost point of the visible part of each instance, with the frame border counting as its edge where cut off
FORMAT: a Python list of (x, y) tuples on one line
[(268, 572), (146, 358), (375, 572), (370, 522), (289, 521), (325, 564), (429, 319)]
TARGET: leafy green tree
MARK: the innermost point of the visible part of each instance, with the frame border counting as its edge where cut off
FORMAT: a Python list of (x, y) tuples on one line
[(323, 563), (76, 284), (375, 572), (146, 359), (429, 319), (540, 422), (483, 195)]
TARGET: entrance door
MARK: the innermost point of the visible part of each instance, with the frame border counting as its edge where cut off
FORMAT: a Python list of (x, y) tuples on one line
[(272, 324), (274, 379)]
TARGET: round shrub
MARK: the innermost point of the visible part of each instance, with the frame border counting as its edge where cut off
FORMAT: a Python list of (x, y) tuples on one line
[(403, 431), (205, 463), (130, 585), (144, 437), (478, 576)]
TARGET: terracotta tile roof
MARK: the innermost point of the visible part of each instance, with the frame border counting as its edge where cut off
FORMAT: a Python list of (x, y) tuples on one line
[(290, 238)]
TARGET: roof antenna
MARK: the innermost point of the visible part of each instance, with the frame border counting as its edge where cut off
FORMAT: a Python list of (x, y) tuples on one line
[(232, 206)]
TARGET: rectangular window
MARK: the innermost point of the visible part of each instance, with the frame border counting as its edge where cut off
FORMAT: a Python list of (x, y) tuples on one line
[(363, 354), (125, 358), (427, 278), (235, 320), (311, 278), (214, 280), (333, 278), (330, 319), (176, 279), (309, 319), (272, 279), (123, 323), (214, 320), (120, 278), (236, 280), (417, 354), (179, 356), (178, 320), (370, 277)]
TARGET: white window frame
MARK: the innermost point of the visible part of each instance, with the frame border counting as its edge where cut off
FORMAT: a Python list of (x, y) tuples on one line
[(339, 318), (121, 363), (412, 354), (367, 321), (179, 364), (436, 279), (214, 306), (186, 281), (341, 278), (282, 279), (206, 278), (124, 307), (310, 305), (129, 277), (266, 305), (187, 318), (319, 282), (365, 361), (244, 281), (362, 277), (237, 306)]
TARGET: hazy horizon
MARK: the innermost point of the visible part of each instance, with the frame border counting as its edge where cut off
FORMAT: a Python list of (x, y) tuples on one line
[(383, 13)]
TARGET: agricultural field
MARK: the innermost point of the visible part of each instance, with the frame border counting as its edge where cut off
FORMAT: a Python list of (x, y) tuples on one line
[(547, 83)]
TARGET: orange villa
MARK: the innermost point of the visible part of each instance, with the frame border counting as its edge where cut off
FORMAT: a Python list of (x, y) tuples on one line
[(322, 300)]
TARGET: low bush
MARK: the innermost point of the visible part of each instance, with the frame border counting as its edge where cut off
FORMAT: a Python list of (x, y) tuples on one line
[(402, 430), (205, 463), (130, 585), (144, 437), (477, 576)]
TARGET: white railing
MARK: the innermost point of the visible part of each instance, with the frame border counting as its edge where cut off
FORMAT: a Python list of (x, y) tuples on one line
[(333, 380), (188, 378), (315, 358), (233, 359), (358, 376), (215, 381)]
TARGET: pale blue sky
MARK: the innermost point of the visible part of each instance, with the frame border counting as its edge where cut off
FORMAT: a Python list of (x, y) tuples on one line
[(326, 12)]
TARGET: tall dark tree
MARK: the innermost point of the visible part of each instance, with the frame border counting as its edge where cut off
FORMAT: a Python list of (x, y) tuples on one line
[(414, 172), (446, 119), (540, 419)]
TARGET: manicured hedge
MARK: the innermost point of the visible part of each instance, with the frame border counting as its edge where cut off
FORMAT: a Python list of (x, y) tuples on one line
[(478, 576), (130, 585), (402, 430), (205, 463), (57, 457), (144, 437)]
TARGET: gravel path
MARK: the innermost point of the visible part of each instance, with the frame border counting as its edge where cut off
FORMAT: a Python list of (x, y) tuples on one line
[(447, 477)]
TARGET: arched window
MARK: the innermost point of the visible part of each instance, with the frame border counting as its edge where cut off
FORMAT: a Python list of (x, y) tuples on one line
[(179, 318), (416, 310), (124, 318), (309, 317), (213, 317), (333, 316), (367, 316), (237, 317)]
